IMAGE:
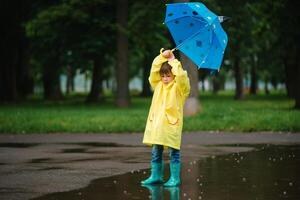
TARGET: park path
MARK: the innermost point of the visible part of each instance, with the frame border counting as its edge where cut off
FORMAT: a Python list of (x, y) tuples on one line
[(32, 165)]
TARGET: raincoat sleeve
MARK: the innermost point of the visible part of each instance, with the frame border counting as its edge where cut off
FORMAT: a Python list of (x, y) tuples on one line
[(154, 77), (181, 77)]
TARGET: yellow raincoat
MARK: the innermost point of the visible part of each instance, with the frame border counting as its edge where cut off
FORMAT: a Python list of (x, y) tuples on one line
[(164, 123)]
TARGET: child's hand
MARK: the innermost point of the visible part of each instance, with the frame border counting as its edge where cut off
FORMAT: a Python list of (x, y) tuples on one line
[(168, 54)]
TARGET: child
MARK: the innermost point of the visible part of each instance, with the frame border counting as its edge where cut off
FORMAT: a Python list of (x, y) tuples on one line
[(164, 125)]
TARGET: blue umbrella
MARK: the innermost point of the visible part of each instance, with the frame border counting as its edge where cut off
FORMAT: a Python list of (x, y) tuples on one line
[(197, 33)]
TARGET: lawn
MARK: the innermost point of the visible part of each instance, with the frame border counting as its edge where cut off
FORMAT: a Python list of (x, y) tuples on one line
[(219, 113)]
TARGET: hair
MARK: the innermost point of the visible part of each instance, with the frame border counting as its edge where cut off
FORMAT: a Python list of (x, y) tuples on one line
[(165, 69)]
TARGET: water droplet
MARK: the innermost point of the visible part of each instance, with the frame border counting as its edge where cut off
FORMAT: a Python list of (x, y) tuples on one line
[(290, 184), (194, 162), (244, 179), (184, 194), (125, 192), (115, 182), (79, 193), (189, 170), (213, 157), (284, 192), (189, 199), (144, 172), (199, 197), (198, 179), (201, 184), (274, 159)]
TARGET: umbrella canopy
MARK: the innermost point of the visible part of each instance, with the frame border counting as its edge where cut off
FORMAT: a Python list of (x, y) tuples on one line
[(197, 33)]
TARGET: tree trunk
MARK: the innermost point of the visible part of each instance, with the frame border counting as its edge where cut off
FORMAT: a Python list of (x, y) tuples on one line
[(51, 82), (122, 55), (25, 82), (253, 84), (289, 78), (267, 91), (215, 85), (9, 50), (146, 70), (15, 80), (192, 105), (70, 79), (203, 84), (238, 74), (96, 87), (297, 84)]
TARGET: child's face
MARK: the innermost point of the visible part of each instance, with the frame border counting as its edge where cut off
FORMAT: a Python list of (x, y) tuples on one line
[(167, 78)]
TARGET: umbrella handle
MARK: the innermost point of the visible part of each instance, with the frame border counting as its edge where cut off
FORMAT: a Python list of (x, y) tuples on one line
[(173, 49)]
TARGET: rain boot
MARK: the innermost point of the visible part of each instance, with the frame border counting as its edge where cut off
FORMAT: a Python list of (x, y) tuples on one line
[(174, 179), (157, 173)]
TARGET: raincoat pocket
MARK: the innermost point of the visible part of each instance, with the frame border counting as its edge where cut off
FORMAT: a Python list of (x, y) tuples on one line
[(172, 116)]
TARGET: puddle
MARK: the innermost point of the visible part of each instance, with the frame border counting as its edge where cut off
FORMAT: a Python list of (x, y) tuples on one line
[(98, 144), (18, 145), (75, 150), (40, 160), (268, 172)]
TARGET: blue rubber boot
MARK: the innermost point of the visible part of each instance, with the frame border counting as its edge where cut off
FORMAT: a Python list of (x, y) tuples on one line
[(157, 173), (174, 179)]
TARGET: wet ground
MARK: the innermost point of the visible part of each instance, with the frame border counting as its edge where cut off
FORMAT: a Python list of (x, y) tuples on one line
[(267, 172), (89, 166)]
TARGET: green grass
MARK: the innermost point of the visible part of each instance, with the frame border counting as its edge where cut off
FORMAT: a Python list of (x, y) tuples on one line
[(219, 113)]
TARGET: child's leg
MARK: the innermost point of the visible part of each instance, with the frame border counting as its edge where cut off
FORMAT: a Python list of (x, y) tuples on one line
[(174, 179), (157, 166), (174, 155), (157, 152)]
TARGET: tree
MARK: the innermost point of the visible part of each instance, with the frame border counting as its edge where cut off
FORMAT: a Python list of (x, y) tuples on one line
[(290, 44), (72, 26), (16, 81), (122, 55), (147, 36)]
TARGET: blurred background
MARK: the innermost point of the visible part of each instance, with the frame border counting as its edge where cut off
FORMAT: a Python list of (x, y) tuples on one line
[(83, 66)]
